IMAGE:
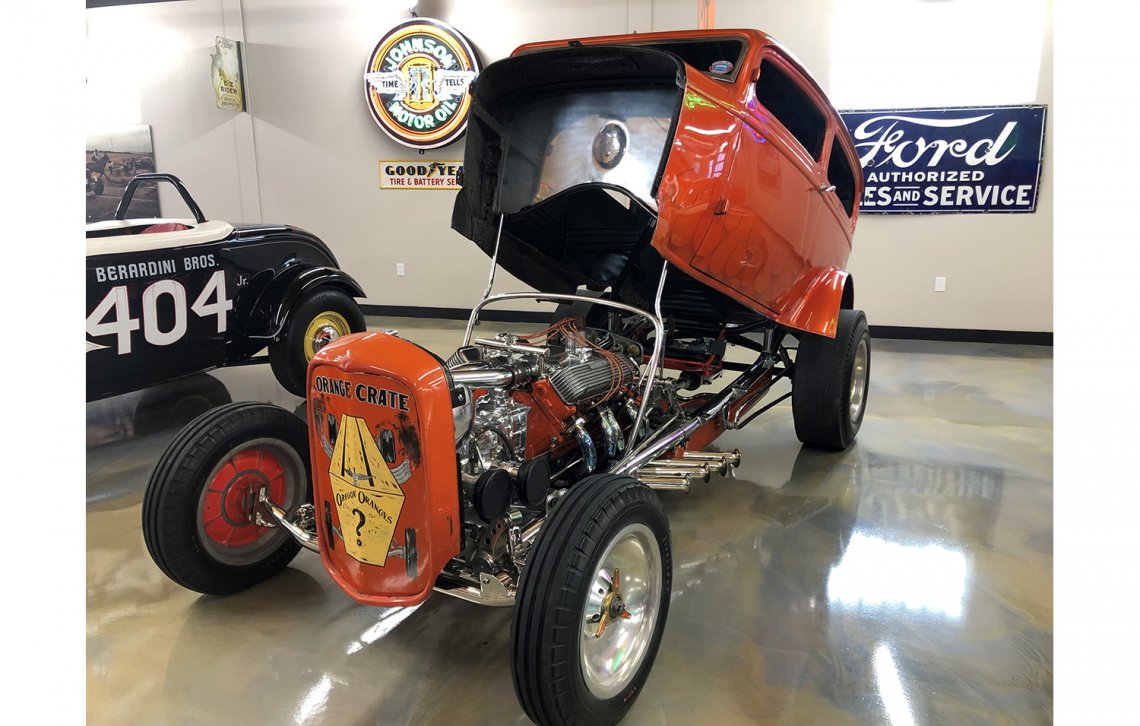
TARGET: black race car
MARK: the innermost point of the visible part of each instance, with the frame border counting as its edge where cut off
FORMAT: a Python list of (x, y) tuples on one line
[(171, 297)]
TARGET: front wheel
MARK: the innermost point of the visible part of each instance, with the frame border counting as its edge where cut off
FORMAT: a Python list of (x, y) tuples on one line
[(592, 603), (319, 319), (199, 517)]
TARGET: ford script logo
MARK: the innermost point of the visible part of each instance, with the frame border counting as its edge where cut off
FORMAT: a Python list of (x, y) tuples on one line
[(949, 159), (888, 142)]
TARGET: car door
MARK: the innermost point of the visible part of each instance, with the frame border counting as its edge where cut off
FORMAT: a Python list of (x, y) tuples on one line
[(760, 240), (158, 307), (835, 227)]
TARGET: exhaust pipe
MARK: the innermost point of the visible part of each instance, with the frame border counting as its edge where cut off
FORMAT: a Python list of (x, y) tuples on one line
[(668, 437), (673, 475), (721, 460), (666, 484), (675, 469)]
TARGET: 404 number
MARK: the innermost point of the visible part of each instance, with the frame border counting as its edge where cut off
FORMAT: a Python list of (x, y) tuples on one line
[(211, 301)]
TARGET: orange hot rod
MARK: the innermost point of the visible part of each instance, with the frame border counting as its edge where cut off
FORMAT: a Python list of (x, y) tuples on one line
[(674, 194)]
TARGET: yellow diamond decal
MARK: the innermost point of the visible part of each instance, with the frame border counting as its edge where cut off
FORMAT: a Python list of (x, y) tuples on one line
[(368, 499)]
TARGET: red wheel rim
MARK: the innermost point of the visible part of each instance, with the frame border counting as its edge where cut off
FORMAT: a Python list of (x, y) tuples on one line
[(227, 509)]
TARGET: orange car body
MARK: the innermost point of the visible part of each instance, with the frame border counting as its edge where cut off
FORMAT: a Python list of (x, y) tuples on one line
[(743, 207)]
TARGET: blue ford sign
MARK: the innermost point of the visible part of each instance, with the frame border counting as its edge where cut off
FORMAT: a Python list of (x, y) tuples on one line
[(921, 161)]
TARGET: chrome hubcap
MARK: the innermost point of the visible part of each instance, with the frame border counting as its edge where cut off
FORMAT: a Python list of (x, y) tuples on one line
[(858, 380), (621, 610), (324, 335)]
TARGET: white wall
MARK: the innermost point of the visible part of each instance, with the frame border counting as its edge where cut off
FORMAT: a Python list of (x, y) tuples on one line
[(150, 64), (308, 151), (318, 149)]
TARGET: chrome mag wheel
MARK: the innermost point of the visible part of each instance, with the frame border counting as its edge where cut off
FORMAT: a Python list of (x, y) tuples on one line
[(858, 380), (592, 603), (621, 611)]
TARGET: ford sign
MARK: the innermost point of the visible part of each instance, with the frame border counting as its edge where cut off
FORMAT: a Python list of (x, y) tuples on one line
[(916, 161)]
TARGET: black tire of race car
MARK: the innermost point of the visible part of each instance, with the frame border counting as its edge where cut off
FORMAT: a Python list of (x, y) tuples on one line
[(822, 383), (287, 356), (170, 508), (546, 627)]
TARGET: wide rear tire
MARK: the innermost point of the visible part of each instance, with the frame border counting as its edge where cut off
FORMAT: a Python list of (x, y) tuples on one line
[(563, 672), (198, 511), (830, 383)]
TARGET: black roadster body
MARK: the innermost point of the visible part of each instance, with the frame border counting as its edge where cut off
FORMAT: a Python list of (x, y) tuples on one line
[(171, 297)]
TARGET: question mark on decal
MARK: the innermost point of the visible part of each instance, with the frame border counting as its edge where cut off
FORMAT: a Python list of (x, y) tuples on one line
[(360, 514)]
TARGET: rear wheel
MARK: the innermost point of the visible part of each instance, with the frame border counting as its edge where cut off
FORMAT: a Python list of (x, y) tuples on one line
[(592, 603), (830, 382), (320, 318), (199, 511)]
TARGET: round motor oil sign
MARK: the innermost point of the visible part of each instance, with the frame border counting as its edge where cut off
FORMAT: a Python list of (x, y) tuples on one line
[(416, 83)]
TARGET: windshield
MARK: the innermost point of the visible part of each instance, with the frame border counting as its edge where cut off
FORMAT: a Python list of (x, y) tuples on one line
[(718, 58)]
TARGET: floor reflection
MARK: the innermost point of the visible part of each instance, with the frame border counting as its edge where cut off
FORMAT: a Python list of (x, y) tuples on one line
[(168, 406), (878, 574), (896, 702)]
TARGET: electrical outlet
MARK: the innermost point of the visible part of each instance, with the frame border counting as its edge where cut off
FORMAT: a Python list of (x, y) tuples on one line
[(399, 269), (940, 284)]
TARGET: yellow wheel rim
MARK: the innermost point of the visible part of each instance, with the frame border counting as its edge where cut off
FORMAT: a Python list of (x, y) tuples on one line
[(324, 329)]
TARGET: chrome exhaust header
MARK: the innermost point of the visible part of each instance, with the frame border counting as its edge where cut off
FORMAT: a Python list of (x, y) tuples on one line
[(667, 484), (729, 457), (719, 460), (667, 468), (671, 435)]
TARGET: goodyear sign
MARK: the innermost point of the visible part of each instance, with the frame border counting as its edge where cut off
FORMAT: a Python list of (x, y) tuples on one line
[(976, 159), (416, 82), (420, 174)]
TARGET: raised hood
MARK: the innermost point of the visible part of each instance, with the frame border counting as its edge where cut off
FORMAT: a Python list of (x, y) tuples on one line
[(554, 136)]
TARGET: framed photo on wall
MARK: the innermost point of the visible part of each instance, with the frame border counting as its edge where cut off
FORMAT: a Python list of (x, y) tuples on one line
[(113, 157)]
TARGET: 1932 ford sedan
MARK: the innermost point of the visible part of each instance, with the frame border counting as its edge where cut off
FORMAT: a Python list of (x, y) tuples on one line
[(674, 194)]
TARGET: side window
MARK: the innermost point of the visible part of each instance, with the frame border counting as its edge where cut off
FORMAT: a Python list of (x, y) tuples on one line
[(791, 106), (839, 174)]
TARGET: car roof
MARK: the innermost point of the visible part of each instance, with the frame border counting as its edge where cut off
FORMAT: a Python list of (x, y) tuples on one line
[(757, 38)]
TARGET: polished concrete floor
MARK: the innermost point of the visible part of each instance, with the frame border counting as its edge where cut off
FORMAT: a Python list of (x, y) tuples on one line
[(906, 581)]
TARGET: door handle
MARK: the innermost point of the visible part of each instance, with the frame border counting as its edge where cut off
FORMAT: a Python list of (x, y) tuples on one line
[(825, 188)]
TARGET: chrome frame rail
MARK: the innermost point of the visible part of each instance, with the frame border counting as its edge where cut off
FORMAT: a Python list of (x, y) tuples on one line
[(654, 447)]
